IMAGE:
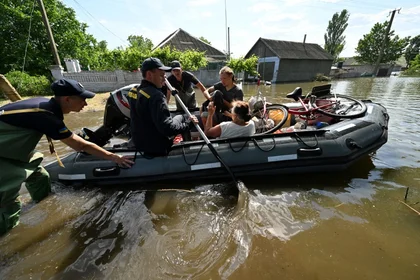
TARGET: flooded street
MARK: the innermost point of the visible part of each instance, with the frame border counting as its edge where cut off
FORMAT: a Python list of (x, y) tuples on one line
[(347, 225)]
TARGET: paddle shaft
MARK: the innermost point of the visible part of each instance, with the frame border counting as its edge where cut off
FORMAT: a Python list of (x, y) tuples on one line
[(8, 89), (203, 135)]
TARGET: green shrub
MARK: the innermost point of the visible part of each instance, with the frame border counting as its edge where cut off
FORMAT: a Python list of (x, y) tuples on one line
[(27, 85), (414, 69)]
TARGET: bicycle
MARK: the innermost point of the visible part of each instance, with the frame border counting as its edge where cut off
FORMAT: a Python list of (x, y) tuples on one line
[(321, 101), (318, 105), (266, 116)]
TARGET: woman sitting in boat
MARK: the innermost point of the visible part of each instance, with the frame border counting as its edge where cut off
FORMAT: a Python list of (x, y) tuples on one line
[(223, 94), (240, 126)]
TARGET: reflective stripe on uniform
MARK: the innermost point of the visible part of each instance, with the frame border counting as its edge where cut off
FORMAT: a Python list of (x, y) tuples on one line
[(19, 111), (144, 94), (132, 94)]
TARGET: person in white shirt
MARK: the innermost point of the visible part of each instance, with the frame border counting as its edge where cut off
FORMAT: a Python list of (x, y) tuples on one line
[(240, 126)]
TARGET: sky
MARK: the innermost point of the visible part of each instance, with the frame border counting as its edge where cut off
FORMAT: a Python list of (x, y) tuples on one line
[(248, 20)]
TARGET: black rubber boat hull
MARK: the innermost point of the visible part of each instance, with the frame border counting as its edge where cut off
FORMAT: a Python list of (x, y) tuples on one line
[(332, 148)]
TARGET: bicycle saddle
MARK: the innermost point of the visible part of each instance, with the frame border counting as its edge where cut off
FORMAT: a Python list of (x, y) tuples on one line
[(295, 94)]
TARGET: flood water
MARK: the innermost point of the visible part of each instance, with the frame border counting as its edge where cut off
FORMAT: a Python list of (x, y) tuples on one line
[(347, 225)]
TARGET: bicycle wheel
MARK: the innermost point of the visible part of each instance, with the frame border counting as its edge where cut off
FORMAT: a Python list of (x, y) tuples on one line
[(272, 119), (339, 106)]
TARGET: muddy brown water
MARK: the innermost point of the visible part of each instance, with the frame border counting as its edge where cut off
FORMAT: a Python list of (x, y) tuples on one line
[(347, 225)]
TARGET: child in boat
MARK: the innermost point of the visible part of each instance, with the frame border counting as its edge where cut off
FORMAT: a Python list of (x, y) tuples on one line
[(240, 126)]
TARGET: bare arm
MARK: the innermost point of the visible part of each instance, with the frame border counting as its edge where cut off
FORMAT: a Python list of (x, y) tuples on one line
[(207, 92), (203, 90), (227, 103), (209, 130), (79, 144), (168, 95)]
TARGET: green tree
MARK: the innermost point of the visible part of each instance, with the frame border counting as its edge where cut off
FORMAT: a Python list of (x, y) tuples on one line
[(412, 50), (414, 69), (204, 40), (193, 60), (70, 36), (248, 65), (190, 59), (334, 38), (369, 47), (140, 43)]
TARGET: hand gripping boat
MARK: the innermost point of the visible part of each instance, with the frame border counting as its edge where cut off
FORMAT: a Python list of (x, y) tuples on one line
[(331, 148)]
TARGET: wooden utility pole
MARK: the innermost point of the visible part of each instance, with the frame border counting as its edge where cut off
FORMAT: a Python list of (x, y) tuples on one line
[(49, 32), (385, 43)]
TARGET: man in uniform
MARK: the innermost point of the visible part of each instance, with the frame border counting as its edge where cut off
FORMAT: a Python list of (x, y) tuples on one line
[(152, 126), (22, 124)]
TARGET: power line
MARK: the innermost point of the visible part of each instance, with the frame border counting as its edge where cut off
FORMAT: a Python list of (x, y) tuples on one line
[(86, 11), (29, 36)]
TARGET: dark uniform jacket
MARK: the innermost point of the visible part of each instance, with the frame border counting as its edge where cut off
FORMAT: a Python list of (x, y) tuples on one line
[(151, 123), (23, 129)]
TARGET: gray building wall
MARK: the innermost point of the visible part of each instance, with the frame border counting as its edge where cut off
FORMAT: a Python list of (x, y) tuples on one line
[(207, 77), (355, 71), (293, 70), (106, 80), (111, 80)]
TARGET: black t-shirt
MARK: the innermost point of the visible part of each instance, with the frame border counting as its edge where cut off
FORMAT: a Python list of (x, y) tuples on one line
[(49, 123), (234, 93), (185, 85)]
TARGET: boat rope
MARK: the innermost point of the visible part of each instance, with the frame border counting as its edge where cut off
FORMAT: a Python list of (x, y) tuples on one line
[(264, 150), (196, 157), (240, 149), (303, 142)]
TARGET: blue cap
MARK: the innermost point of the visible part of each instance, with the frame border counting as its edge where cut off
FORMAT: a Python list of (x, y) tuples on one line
[(153, 63), (67, 87)]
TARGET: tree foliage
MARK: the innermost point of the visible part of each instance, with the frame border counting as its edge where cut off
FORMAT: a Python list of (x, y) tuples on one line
[(190, 59), (412, 50), (69, 34), (28, 85), (140, 43), (334, 38), (72, 41), (369, 47), (204, 40), (414, 69), (248, 65)]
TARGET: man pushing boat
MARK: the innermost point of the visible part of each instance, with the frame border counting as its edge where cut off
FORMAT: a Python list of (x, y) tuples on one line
[(22, 125)]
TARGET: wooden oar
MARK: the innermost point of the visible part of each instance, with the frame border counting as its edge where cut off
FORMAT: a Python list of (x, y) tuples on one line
[(8, 89), (203, 135)]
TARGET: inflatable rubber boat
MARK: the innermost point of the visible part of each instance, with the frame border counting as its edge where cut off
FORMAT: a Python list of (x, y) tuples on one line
[(331, 148)]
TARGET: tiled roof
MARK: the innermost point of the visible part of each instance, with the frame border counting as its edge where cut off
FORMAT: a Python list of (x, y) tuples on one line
[(295, 50), (182, 41)]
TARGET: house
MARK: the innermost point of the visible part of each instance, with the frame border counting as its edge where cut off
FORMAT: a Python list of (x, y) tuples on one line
[(183, 41), (284, 61), (354, 69)]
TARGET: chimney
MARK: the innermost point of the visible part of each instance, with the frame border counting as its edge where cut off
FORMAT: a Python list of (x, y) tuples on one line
[(304, 39)]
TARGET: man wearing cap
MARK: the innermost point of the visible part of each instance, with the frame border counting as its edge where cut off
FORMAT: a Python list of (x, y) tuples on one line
[(22, 124), (152, 126), (182, 81)]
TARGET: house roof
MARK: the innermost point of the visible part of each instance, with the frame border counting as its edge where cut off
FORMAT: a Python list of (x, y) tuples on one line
[(294, 50), (350, 61), (182, 41)]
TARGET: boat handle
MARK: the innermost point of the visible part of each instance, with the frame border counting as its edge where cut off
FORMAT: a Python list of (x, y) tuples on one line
[(106, 171), (305, 152)]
